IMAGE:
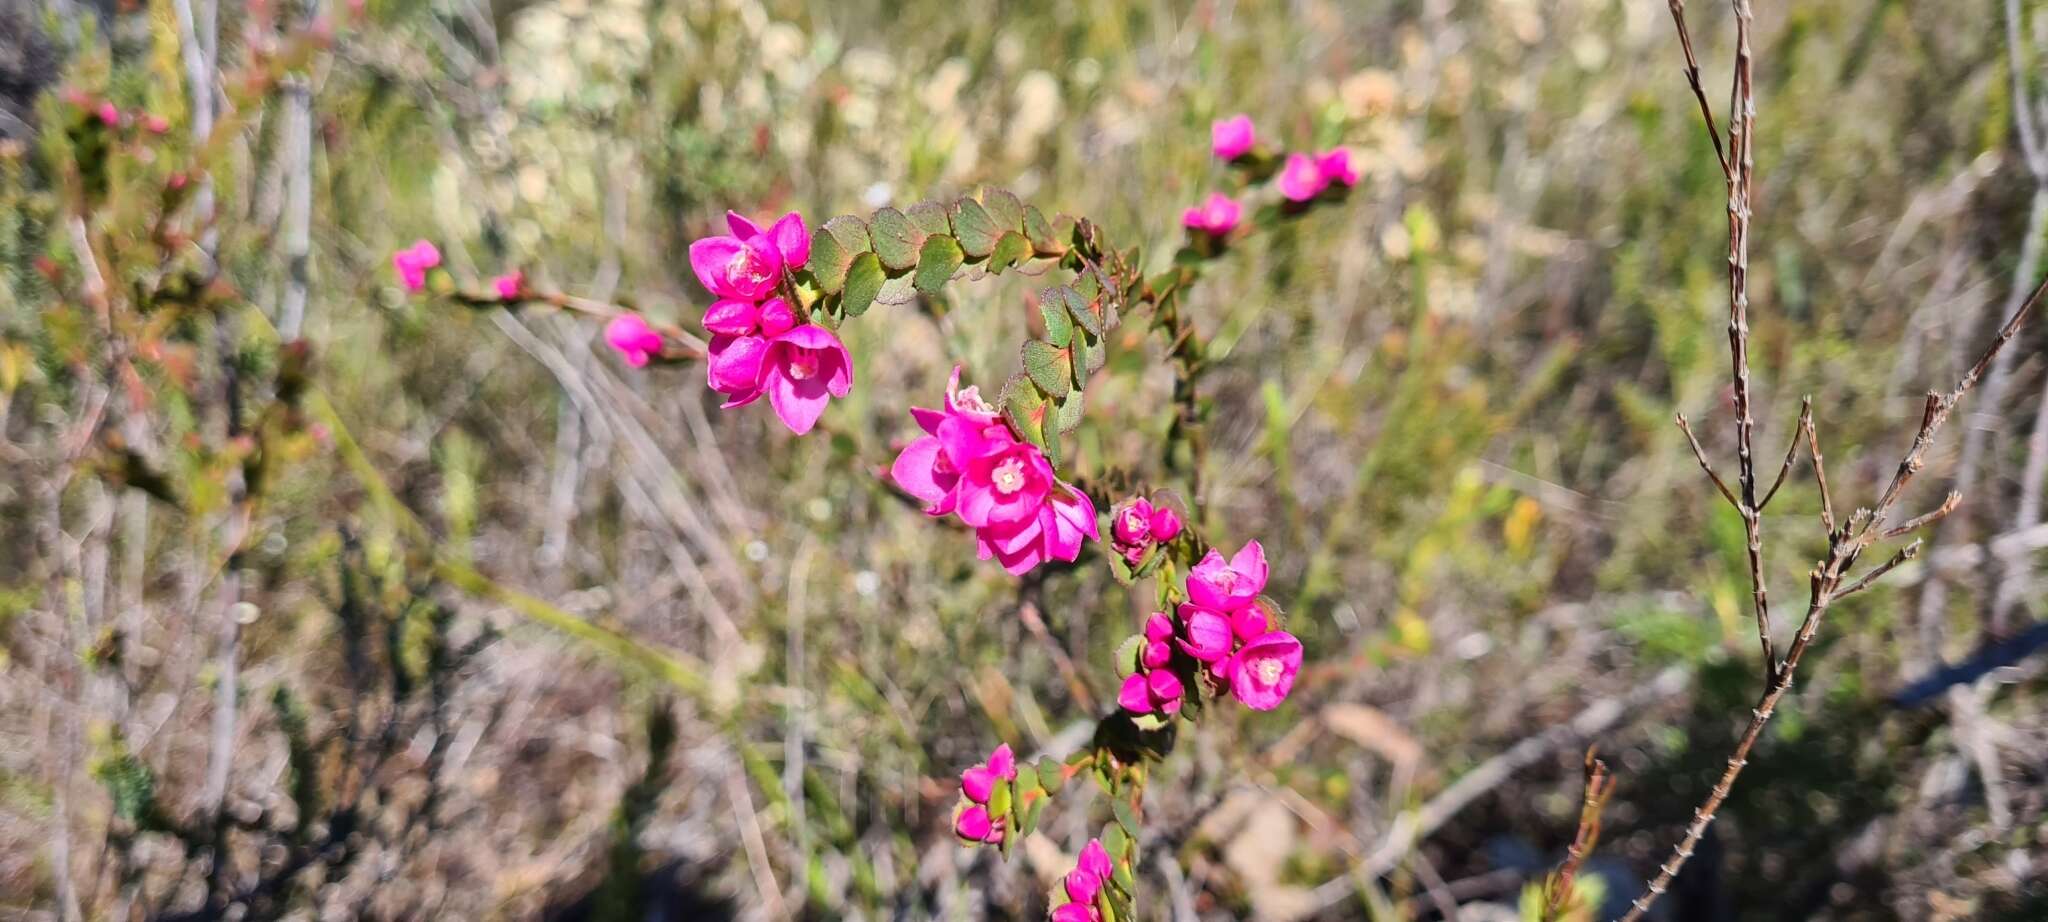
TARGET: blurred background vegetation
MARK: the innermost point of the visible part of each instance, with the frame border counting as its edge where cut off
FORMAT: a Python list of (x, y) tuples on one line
[(1445, 408)]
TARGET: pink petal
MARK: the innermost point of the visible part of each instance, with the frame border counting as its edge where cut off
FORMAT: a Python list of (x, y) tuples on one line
[(733, 316), (1082, 886), (915, 471), (1002, 762), (977, 783), (1095, 860), (792, 239), (973, 824), (737, 363), (777, 318), (797, 403), (1073, 912), (1250, 564), (1134, 696), (709, 257), (741, 227)]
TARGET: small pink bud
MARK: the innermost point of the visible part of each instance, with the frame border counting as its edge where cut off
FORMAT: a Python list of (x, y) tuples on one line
[(510, 284), (1002, 764), (1249, 622), (635, 341), (776, 318), (1082, 886), (1159, 626), (413, 262), (109, 114), (1165, 689), (1216, 216), (1074, 912), (1164, 525), (1133, 522), (977, 783), (156, 124), (1335, 166), (1208, 636), (1232, 137), (1095, 860), (973, 824), (1156, 654)]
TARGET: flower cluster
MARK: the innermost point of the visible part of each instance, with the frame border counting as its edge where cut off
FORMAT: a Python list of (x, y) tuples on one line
[(1308, 175), (968, 463), (759, 344), (1227, 632), (412, 264), (1082, 884), (1137, 525), (976, 822)]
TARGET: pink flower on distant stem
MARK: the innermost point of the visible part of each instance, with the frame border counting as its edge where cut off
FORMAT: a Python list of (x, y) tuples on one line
[(109, 114), (1302, 179), (635, 341), (1335, 166), (1216, 216), (1263, 671), (1164, 524), (1226, 587), (1133, 521), (510, 284), (1232, 137), (977, 784), (156, 124), (1095, 860), (413, 262)]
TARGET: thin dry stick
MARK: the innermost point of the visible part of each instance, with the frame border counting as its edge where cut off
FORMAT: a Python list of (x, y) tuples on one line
[(1847, 542), (1599, 787)]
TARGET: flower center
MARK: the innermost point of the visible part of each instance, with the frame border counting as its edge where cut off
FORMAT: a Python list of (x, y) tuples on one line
[(744, 267), (1133, 521), (969, 399), (1268, 670), (1009, 476), (803, 365)]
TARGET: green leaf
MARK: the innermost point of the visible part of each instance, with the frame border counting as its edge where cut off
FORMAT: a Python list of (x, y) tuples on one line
[(1127, 655), (1030, 822), (975, 227), (999, 799), (833, 249), (897, 289), (1025, 405), (1113, 838), (936, 262), (1050, 367), (1124, 816), (1009, 251), (1049, 776), (1027, 777), (1069, 415), (1039, 231), (1004, 208), (1120, 871), (1059, 324), (863, 283), (896, 239), (1094, 352), (930, 217), (1076, 305)]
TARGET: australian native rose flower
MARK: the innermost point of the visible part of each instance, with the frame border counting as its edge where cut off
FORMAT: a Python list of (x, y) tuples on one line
[(1336, 167), (760, 346), (970, 464), (1091, 871), (1301, 179), (1262, 672), (1232, 137), (1216, 216), (510, 284), (1227, 587)]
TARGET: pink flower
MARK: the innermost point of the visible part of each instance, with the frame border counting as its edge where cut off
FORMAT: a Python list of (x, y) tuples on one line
[(977, 782), (1222, 587), (1216, 216), (804, 368), (929, 468), (974, 825), (1335, 166), (791, 239), (1262, 672), (1003, 763), (1302, 179), (1149, 691), (413, 262), (1250, 622), (1095, 860), (734, 268), (1232, 137), (156, 124), (1075, 912), (1164, 525), (510, 284), (1206, 634), (1082, 886), (635, 341), (1005, 487), (1133, 522), (109, 114), (1065, 518)]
